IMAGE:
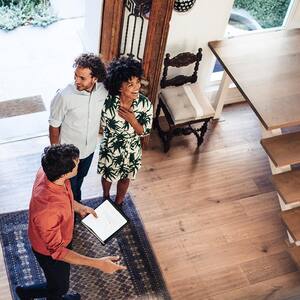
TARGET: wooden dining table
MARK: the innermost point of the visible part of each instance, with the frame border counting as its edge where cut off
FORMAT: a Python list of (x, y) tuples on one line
[(265, 67)]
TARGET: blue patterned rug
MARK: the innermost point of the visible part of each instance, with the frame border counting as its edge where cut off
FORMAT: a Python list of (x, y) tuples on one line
[(141, 280)]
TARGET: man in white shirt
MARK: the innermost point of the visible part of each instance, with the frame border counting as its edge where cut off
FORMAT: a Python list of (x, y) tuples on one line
[(75, 113)]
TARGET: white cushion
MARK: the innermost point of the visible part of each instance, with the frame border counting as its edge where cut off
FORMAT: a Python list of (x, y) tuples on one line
[(186, 103)]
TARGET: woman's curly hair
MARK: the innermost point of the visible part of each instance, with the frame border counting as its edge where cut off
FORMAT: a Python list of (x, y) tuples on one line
[(121, 70), (92, 62)]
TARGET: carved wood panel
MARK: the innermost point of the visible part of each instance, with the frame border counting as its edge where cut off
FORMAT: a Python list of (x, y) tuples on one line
[(111, 30), (157, 32)]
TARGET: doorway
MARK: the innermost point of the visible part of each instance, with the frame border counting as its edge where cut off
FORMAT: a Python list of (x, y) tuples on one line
[(35, 62)]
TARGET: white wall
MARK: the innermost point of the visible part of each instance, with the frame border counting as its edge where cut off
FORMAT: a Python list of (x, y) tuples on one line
[(206, 21), (68, 8), (92, 25), (293, 20)]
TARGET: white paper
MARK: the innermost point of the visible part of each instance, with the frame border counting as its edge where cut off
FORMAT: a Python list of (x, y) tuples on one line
[(108, 222)]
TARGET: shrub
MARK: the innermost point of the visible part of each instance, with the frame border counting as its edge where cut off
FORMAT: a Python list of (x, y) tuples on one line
[(268, 13), (43, 16), (10, 18), (24, 12), (16, 2)]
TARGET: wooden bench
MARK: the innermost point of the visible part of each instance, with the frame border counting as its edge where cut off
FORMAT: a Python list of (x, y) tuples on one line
[(276, 106), (291, 219), (295, 254), (287, 185), (283, 149)]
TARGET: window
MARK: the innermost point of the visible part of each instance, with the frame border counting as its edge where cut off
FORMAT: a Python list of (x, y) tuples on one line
[(255, 15), (258, 14)]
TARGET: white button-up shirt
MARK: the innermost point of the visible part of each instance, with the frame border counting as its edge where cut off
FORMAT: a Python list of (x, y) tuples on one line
[(78, 113)]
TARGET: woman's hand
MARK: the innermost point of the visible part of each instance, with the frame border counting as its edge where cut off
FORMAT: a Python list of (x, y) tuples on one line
[(128, 115)]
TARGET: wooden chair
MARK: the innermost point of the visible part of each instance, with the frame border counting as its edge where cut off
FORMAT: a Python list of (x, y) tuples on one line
[(182, 100)]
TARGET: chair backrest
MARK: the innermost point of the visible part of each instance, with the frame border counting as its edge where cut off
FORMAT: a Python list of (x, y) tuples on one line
[(181, 60)]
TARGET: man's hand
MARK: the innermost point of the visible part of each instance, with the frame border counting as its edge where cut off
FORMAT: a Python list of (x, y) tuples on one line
[(83, 210), (109, 264)]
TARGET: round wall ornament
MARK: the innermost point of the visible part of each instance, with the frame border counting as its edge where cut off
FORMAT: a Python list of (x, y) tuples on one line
[(183, 5)]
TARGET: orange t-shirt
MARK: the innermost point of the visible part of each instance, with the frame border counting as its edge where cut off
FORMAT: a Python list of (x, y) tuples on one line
[(51, 217)]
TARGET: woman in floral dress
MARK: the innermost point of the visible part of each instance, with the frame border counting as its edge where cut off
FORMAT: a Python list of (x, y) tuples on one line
[(126, 117)]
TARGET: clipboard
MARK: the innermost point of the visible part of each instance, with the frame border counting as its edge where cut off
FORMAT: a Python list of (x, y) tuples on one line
[(110, 221)]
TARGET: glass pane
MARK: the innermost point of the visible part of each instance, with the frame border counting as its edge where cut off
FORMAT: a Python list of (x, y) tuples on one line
[(255, 15), (258, 14), (135, 24)]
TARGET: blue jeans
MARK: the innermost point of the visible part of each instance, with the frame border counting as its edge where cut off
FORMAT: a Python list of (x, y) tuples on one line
[(76, 181)]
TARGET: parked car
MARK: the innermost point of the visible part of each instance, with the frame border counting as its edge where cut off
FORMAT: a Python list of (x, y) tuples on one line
[(240, 21)]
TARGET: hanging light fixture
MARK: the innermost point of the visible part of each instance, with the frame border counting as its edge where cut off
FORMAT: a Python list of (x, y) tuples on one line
[(183, 5)]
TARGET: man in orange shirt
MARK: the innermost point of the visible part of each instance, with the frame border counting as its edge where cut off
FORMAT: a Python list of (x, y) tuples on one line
[(51, 224)]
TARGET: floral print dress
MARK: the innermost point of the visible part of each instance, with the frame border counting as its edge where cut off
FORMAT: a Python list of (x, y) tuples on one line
[(120, 149)]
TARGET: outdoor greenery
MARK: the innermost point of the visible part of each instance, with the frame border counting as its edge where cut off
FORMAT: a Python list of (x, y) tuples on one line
[(14, 2), (268, 13), (15, 13)]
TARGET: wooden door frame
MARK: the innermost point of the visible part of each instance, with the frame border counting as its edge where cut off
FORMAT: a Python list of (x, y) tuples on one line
[(156, 39), (111, 29), (155, 45)]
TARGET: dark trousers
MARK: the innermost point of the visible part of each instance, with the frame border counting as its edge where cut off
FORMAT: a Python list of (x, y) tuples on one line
[(57, 274), (76, 181)]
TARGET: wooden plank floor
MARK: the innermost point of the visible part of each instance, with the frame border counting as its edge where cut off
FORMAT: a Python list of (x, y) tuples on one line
[(212, 216)]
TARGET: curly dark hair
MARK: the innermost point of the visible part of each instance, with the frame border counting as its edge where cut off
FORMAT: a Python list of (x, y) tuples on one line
[(92, 62), (58, 160), (121, 70)]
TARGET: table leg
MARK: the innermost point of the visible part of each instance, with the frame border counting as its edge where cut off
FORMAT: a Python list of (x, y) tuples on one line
[(221, 95)]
